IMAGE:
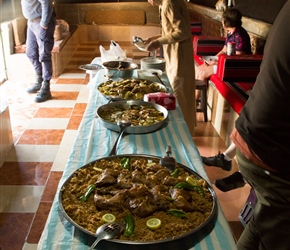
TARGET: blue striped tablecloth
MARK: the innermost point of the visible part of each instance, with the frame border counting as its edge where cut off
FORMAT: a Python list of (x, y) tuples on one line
[(94, 141)]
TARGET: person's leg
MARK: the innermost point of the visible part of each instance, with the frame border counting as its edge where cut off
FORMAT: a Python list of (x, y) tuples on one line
[(222, 160), (45, 42), (269, 226), (32, 54)]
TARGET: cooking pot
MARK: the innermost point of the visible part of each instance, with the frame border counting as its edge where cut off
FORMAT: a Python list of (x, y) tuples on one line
[(132, 129), (182, 242), (120, 69)]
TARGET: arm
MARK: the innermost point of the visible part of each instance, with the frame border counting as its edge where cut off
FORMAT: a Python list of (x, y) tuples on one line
[(46, 12)]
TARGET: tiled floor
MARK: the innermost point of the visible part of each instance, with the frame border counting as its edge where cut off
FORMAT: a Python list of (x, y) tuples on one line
[(43, 134)]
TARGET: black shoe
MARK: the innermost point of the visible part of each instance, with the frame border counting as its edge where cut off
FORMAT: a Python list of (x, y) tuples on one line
[(44, 93), (217, 161), (37, 85), (236, 180), (33, 89)]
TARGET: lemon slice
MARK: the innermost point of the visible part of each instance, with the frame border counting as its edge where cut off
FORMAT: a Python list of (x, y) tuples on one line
[(153, 223), (108, 218)]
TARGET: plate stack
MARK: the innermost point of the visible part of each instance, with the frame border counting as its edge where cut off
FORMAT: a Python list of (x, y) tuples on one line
[(153, 63)]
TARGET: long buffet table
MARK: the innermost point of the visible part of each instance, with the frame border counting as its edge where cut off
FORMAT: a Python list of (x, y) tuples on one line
[(94, 141)]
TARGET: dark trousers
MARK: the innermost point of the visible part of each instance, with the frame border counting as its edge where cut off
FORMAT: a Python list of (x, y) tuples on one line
[(269, 226), (39, 44)]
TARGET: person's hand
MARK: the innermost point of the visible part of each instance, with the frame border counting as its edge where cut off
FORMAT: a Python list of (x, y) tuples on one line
[(44, 27), (154, 45), (212, 62)]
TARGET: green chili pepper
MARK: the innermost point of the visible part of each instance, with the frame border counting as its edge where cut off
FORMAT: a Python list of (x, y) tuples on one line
[(175, 173), (185, 185), (129, 225), (177, 213), (125, 163), (89, 190)]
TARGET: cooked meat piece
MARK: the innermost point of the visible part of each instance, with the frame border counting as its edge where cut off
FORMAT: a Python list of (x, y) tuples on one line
[(175, 192), (138, 191), (181, 203), (138, 177), (124, 181), (141, 207), (170, 181), (154, 168), (161, 197), (114, 203), (152, 180), (161, 174), (105, 180)]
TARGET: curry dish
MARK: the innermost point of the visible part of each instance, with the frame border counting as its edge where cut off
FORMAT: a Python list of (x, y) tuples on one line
[(138, 115), (132, 88), (139, 187)]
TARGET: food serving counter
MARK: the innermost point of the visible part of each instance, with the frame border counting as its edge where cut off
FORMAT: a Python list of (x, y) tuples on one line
[(94, 141)]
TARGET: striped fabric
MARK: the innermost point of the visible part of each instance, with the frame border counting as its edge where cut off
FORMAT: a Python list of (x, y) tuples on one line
[(235, 93), (207, 46), (195, 27), (239, 68), (95, 141)]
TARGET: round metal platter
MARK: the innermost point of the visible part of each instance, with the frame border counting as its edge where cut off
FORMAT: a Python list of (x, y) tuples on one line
[(91, 67), (161, 87), (132, 129), (183, 241)]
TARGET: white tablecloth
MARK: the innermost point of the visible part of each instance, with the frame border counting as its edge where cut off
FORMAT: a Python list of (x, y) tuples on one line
[(94, 141)]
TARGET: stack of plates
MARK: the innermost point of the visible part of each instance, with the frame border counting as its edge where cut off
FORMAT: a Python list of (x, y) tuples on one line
[(152, 63)]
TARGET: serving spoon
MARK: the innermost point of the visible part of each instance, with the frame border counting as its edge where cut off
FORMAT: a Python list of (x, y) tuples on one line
[(156, 74), (123, 125), (168, 161), (106, 232)]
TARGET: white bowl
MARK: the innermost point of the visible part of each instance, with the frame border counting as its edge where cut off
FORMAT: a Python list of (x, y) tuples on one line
[(147, 74), (153, 63)]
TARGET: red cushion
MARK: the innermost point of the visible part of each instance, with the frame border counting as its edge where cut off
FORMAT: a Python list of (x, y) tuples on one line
[(239, 67), (195, 27), (207, 46), (235, 93)]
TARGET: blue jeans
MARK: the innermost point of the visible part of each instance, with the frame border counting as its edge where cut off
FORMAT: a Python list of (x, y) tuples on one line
[(269, 226), (39, 44)]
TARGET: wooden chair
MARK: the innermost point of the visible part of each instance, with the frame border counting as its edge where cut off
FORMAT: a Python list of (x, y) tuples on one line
[(202, 86)]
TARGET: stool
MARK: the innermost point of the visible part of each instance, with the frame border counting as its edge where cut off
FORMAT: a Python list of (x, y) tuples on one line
[(202, 86)]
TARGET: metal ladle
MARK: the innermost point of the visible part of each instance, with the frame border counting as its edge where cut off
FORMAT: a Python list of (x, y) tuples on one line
[(168, 161), (156, 74), (106, 232), (123, 125)]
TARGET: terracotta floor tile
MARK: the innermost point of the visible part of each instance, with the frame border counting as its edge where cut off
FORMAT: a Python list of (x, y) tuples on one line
[(13, 234), (41, 136), (70, 80), (79, 109), (53, 113), (51, 186), (57, 95), (38, 222), (24, 173), (74, 122)]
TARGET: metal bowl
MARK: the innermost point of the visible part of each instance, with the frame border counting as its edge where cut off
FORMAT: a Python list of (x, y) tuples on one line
[(132, 129), (182, 242), (119, 69), (110, 86)]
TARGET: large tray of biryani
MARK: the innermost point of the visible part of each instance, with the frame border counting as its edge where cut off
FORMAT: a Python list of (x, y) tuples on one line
[(129, 88), (153, 204)]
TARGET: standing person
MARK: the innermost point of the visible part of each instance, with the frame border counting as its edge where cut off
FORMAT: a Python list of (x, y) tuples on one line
[(262, 138), (39, 43), (176, 40)]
